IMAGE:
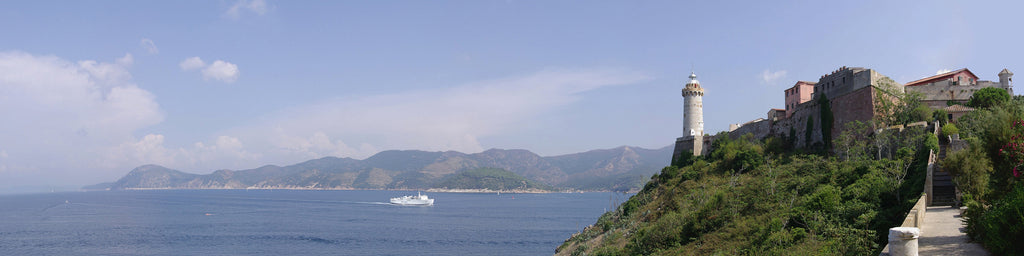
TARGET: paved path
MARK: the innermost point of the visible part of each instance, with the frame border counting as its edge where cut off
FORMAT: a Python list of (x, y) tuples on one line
[(943, 234)]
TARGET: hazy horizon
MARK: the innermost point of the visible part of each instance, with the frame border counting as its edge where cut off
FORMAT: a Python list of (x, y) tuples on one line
[(90, 90)]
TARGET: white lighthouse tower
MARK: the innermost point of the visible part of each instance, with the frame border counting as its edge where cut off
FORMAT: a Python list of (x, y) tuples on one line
[(692, 141), (693, 109)]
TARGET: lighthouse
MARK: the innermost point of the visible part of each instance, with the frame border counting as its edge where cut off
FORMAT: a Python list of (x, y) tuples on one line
[(693, 108), (692, 141)]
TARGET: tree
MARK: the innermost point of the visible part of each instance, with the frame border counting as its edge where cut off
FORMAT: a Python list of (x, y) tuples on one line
[(808, 132), (948, 130), (988, 97), (970, 168), (852, 143), (940, 115), (894, 107), (826, 121)]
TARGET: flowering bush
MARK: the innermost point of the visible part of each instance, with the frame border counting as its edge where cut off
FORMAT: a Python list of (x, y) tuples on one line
[(1013, 151)]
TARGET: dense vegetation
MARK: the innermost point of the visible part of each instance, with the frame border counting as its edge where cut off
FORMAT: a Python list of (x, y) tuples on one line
[(747, 197), (988, 172), (772, 197), (988, 97), (491, 179)]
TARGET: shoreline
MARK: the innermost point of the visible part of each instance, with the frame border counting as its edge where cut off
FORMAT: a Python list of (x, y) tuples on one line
[(431, 190)]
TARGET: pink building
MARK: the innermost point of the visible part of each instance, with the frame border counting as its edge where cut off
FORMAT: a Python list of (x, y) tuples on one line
[(799, 93)]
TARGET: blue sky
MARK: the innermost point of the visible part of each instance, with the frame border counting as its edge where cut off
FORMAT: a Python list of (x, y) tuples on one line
[(89, 90)]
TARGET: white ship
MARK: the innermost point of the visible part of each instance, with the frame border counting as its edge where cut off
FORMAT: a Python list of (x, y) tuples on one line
[(418, 199)]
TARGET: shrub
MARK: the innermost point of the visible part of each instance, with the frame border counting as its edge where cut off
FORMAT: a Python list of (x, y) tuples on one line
[(668, 173), (1002, 226), (970, 168), (921, 113), (609, 251), (949, 129)]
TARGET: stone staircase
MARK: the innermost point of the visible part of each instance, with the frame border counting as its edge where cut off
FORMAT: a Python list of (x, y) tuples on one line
[(943, 189)]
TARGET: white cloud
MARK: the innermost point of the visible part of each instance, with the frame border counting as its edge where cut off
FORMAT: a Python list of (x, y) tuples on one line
[(192, 63), (76, 121), (453, 118), (221, 70), (222, 152), (126, 61), (942, 71), (65, 117), (259, 7), (317, 145), (150, 149), (109, 73), (770, 78), (149, 45), (218, 70)]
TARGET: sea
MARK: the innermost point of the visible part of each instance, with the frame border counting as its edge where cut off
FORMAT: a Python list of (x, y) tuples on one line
[(292, 222)]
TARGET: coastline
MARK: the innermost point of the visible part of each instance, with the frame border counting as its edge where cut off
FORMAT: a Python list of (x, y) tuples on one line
[(432, 190)]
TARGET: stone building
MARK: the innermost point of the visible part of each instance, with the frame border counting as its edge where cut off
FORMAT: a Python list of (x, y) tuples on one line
[(954, 112), (693, 139), (956, 87), (850, 91), (799, 93), (852, 94)]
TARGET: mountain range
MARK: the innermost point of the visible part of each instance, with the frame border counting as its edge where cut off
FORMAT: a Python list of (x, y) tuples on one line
[(619, 169)]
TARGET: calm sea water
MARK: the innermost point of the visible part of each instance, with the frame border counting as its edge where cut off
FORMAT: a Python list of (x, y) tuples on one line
[(286, 222)]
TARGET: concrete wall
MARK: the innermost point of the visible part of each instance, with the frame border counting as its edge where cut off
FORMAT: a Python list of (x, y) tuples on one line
[(914, 219)]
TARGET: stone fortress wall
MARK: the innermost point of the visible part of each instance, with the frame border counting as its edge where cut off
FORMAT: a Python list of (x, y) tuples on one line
[(852, 93)]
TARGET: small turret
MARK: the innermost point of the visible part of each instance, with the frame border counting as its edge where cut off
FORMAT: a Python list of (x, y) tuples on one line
[(1006, 80)]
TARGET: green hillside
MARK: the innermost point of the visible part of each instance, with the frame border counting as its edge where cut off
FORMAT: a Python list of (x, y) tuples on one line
[(491, 179), (756, 198)]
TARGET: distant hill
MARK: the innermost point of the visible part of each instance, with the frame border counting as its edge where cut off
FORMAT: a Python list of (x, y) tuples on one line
[(622, 168), (490, 179)]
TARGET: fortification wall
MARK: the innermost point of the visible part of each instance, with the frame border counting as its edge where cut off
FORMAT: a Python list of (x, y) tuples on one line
[(691, 144), (857, 105), (937, 94), (854, 106), (760, 129)]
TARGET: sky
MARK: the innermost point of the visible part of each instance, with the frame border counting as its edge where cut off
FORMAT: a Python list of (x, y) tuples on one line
[(91, 89)]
